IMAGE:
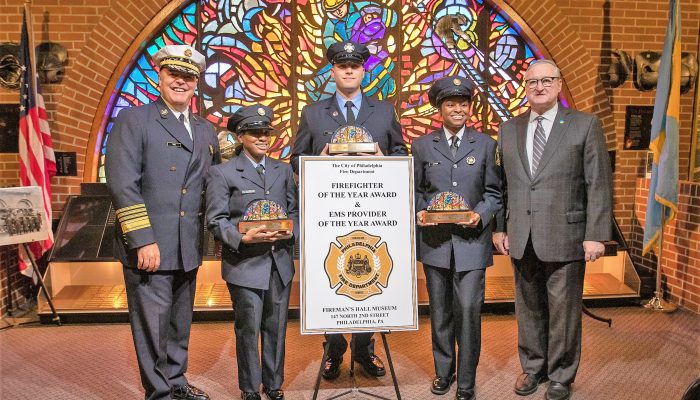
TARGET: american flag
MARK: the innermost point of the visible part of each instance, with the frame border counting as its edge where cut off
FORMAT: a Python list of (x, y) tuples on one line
[(37, 163)]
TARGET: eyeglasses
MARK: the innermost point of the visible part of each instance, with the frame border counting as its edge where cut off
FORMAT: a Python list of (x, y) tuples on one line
[(547, 81)]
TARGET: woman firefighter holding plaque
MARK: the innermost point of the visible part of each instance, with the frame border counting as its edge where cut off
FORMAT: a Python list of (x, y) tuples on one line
[(457, 183), (252, 209)]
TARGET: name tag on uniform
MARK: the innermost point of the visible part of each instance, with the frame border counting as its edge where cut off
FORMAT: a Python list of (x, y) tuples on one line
[(249, 191), (176, 144)]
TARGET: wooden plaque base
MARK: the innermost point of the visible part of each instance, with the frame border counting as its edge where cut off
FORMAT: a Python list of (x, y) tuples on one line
[(339, 148), (447, 217), (270, 225)]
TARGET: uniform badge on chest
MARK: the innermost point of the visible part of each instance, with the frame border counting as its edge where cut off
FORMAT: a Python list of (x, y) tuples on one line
[(471, 160)]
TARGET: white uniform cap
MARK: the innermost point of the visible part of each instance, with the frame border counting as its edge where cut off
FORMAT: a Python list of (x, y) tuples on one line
[(181, 58)]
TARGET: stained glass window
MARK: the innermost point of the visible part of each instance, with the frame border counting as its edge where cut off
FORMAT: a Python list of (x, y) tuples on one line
[(273, 52)]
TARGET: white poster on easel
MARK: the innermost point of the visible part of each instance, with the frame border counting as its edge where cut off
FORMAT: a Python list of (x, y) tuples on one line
[(358, 269), (22, 217)]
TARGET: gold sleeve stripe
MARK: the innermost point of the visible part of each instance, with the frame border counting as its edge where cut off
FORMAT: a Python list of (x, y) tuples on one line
[(133, 226), (133, 214), (129, 208), (134, 220)]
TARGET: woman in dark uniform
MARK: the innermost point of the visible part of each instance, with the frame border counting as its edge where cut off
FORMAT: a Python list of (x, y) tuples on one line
[(257, 265), (455, 256)]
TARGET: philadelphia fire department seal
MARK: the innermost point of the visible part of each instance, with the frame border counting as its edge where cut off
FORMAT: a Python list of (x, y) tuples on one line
[(358, 265)]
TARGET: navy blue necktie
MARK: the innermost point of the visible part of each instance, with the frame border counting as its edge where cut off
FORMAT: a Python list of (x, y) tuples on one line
[(454, 145), (350, 116)]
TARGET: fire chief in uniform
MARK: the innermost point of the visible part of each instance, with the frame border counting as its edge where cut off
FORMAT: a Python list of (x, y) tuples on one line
[(455, 256), (348, 106), (257, 265), (157, 158)]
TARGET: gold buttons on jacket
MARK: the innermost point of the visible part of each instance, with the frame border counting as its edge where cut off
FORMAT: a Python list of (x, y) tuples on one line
[(184, 191), (182, 213)]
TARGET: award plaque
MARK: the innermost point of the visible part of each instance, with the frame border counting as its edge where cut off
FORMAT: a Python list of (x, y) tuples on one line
[(267, 213), (447, 208), (351, 139)]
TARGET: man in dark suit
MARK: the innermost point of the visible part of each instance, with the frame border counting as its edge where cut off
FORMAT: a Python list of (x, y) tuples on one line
[(558, 213), (318, 122), (157, 157), (455, 256), (256, 265)]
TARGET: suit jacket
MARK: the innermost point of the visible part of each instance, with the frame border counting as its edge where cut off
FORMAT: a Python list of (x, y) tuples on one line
[(155, 174), (436, 170), (231, 187), (320, 119), (568, 200)]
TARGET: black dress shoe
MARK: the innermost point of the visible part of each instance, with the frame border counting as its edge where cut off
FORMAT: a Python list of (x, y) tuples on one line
[(372, 365), (331, 369), (274, 394), (558, 391), (441, 385), (250, 396), (465, 394), (188, 392), (526, 384)]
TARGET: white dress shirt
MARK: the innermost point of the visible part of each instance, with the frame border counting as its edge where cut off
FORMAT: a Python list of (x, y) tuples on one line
[(448, 136)]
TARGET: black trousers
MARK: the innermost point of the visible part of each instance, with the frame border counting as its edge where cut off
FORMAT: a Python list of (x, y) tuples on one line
[(338, 344), (456, 299), (160, 314), (548, 304), (260, 314)]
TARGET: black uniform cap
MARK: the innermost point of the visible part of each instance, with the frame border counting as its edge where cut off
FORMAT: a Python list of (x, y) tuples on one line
[(347, 51), (449, 87), (249, 118)]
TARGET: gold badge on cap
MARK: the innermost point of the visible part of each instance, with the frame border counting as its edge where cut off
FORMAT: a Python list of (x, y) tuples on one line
[(261, 111), (188, 53), (164, 112), (349, 47), (457, 82), (471, 160)]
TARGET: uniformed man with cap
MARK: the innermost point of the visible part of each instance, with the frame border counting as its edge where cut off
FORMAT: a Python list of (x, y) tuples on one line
[(156, 161), (257, 266), (318, 122), (455, 256)]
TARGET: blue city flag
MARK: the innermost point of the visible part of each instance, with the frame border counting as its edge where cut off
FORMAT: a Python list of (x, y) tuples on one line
[(663, 188)]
